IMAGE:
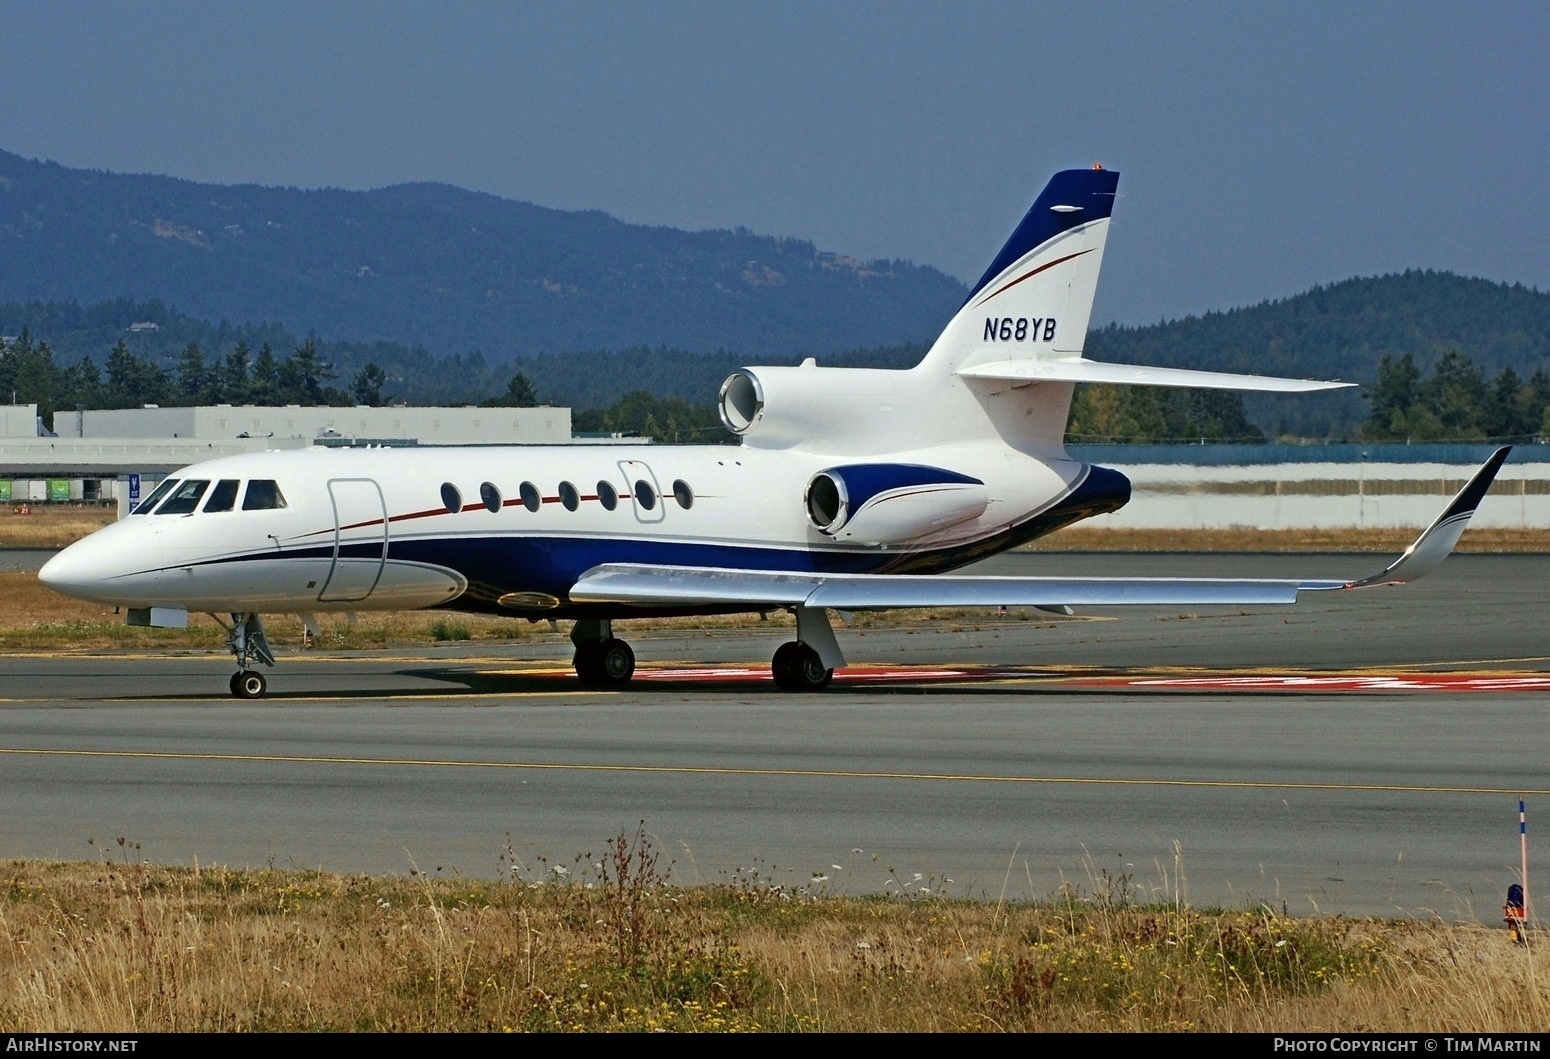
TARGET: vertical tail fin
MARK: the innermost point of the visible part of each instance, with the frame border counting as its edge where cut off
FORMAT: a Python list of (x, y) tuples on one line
[(1032, 304), (1036, 298)]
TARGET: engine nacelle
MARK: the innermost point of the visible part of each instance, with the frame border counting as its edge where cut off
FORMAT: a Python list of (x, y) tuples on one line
[(891, 503), (849, 409)]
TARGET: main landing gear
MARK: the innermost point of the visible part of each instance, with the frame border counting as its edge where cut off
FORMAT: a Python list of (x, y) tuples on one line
[(808, 662), (246, 640), (797, 667), (805, 664), (601, 660)]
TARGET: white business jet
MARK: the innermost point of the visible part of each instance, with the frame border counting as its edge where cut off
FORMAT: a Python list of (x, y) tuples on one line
[(851, 489)]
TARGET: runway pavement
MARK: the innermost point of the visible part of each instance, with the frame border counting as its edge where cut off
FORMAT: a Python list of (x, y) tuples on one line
[(1358, 753)]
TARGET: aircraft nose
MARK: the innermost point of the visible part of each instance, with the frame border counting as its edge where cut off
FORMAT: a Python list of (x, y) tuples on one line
[(83, 569)]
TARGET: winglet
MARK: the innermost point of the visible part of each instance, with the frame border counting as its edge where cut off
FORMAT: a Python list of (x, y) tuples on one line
[(1434, 545)]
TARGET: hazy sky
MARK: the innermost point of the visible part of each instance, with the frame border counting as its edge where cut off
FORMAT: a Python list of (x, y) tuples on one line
[(1264, 147)]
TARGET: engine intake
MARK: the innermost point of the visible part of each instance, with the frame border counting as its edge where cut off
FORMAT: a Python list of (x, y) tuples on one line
[(741, 402), (891, 503)]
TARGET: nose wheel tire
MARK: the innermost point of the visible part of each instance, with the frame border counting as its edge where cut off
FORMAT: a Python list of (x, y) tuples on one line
[(248, 685), (606, 663), (797, 667)]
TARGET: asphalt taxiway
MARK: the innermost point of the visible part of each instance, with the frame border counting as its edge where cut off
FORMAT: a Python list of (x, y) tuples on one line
[(1359, 753)]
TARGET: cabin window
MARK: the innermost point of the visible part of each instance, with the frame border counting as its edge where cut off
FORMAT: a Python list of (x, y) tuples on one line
[(491, 497), (263, 495), (683, 494), (185, 498), (607, 495), (531, 497), (569, 496), (451, 499), (224, 496), (645, 496), (149, 503)]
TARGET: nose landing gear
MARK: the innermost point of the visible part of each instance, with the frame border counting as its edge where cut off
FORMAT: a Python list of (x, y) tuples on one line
[(246, 640)]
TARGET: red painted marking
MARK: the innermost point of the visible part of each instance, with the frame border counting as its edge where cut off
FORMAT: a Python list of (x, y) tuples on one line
[(848, 675), (1030, 275), (1294, 683), (1306, 682), (418, 514)]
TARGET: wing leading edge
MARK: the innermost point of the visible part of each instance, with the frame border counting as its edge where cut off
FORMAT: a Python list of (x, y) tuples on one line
[(641, 585)]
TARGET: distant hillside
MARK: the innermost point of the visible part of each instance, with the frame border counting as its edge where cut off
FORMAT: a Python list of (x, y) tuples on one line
[(452, 270), (1341, 331)]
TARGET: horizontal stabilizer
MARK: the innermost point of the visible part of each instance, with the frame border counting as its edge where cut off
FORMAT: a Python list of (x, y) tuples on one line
[(1077, 369)]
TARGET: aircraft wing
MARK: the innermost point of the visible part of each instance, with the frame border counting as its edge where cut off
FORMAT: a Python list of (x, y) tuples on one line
[(645, 585)]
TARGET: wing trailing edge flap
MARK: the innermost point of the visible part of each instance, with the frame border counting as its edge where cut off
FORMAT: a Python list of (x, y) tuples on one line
[(642, 585), (1077, 369)]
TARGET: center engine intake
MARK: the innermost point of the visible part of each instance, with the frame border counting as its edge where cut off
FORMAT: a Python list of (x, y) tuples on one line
[(891, 503)]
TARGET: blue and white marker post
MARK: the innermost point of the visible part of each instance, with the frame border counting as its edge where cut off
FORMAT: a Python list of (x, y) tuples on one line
[(1523, 853), (1515, 911)]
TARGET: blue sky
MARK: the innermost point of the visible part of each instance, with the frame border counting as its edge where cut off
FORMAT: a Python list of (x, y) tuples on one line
[(1264, 147)]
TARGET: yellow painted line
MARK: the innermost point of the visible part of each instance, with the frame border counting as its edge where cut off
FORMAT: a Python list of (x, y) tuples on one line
[(694, 770), (373, 699)]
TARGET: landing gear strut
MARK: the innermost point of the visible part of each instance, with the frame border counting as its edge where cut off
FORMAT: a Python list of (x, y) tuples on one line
[(246, 640), (601, 660)]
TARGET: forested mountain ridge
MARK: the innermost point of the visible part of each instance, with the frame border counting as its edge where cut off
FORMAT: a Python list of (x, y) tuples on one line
[(453, 270), (448, 294), (1343, 330)]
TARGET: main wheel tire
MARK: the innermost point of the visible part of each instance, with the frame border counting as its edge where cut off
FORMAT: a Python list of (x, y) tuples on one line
[(797, 667), (248, 685), (609, 663), (783, 665), (615, 663)]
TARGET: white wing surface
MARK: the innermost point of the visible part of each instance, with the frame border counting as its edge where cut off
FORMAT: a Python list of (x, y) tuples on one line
[(643, 585)]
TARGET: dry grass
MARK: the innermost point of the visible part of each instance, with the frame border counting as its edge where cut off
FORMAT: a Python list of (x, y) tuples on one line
[(33, 617), (1091, 539), (50, 525), (610, 944)]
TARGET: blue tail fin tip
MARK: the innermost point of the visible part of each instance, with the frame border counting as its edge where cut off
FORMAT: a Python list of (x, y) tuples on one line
[(1072, 197)]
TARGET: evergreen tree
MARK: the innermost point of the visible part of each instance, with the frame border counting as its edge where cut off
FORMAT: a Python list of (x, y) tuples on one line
[(234, 375), (133, 381), (367, 388), (264, 385), (519, 394), (1393, 398), (1455, 394), (194, 376), (28, 375), (303, 374)]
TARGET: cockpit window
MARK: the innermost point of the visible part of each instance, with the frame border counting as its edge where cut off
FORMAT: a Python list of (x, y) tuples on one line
[(149, 503), (185, 497), (262, 495), (224, 496)]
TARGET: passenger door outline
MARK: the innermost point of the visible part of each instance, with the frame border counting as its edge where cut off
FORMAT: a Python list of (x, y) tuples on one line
[(357, 502)]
